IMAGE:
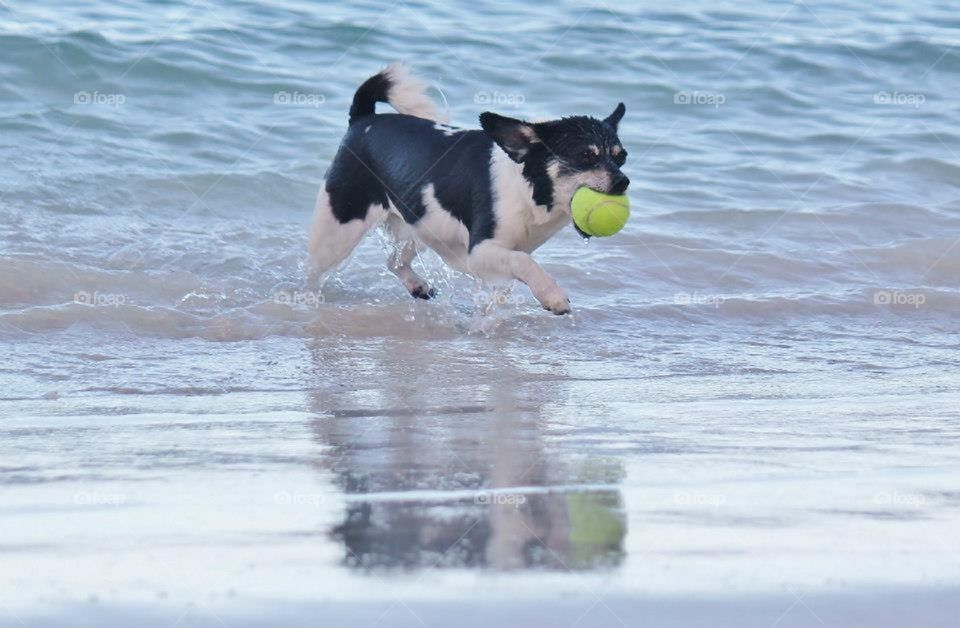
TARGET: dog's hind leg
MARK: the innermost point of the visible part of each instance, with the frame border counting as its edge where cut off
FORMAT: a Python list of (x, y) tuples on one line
[(400, 257), (331, 240)]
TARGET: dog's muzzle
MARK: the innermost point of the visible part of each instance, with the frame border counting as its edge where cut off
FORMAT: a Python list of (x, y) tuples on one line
[(619, 184)]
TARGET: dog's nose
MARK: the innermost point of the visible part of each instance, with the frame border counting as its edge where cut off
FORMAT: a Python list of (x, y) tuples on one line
[(620, 183)]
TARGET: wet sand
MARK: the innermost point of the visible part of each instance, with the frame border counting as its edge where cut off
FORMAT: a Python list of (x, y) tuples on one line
[(517, 494), (588, 609)]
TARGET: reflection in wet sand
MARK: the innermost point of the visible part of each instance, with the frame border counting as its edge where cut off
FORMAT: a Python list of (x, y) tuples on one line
[(459, 476)]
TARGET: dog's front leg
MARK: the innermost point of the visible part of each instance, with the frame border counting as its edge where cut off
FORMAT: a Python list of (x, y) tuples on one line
[(490, 260)]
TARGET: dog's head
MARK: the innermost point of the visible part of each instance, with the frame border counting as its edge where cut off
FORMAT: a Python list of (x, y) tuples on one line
[(568, 153)]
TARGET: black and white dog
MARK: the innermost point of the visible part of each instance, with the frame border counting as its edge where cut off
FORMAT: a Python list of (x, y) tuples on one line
[(483, 200)]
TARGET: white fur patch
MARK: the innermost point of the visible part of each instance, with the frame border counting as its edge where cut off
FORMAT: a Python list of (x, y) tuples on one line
[(565, 186), (448, 130), (332, 241), (408, 94), (521, 224)]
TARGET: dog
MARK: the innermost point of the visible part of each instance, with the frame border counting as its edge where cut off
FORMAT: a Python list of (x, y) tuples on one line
[(484, 200)]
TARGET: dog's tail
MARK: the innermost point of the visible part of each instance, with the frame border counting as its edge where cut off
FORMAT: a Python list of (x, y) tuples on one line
[(397, 86)]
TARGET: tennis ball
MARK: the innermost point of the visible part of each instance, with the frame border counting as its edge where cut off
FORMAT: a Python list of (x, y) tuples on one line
[(599, 214)]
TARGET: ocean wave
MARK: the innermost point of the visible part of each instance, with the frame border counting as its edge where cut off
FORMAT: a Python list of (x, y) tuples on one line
[(891, 219), (774, 95), (405, 319), (928, 259), (882, 302), (806, 59), (914, 51), (89, 61), (931, 168), (262, 320), (67, 52)]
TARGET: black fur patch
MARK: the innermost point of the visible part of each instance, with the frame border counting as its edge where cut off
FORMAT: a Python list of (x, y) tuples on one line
[(352, 187), (575, 144), (581, 143), (394, 156), (375, 89), (535, 171), (569, 138)]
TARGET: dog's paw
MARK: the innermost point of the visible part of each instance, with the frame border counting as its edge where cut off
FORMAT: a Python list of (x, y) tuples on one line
[(556, 301), (422, 291)]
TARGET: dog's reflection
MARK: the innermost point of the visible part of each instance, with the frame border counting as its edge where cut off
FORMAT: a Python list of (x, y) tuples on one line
[(462, 481)]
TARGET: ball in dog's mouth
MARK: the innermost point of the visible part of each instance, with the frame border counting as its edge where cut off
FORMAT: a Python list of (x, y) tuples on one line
[(597, 213)]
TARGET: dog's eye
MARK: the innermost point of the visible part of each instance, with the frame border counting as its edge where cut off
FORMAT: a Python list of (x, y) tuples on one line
[(620, 158), (588, 156)]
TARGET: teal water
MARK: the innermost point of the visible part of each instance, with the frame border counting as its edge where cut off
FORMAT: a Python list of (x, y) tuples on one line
[(785, 157), (756, 391)]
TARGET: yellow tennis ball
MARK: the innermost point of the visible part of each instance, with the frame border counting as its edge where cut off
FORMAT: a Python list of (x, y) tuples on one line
[(599, 214)]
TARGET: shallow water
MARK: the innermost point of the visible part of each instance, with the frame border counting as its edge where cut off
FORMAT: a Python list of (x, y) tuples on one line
[(756, 392)]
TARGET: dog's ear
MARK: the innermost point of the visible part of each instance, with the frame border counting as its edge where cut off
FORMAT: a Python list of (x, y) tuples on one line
[(614, 118), (514, 136)]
